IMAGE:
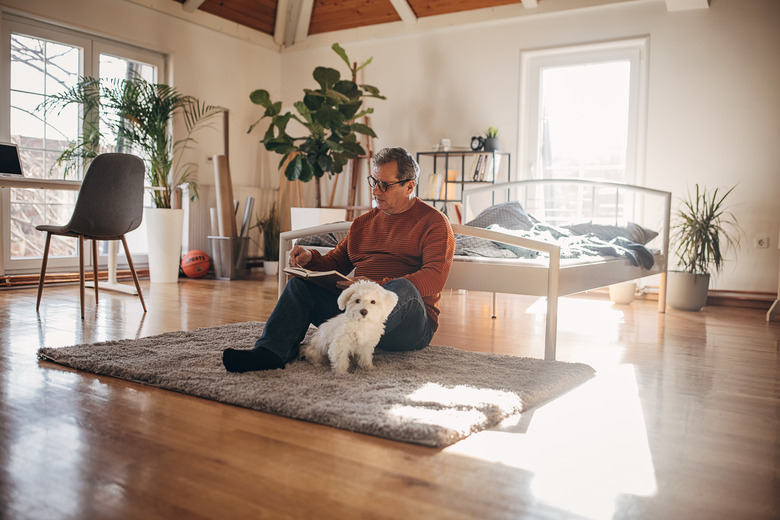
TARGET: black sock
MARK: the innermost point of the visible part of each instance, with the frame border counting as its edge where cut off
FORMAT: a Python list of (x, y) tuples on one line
[(248, 360)]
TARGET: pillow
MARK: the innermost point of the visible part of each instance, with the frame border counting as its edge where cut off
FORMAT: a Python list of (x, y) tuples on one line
[(323, 239), (508, 215), (633, 232)]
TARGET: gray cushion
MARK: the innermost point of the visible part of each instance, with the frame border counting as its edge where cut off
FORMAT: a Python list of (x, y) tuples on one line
[(633, 232), (508, 215)]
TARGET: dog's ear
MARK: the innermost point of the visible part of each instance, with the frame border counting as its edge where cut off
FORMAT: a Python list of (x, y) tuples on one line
[(345, 295), (391, 299)]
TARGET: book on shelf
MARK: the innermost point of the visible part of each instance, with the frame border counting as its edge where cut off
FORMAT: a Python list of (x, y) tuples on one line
[(433, 184), (492, 166), (484, 166), (476, 166), (454, 212), (326, 279)]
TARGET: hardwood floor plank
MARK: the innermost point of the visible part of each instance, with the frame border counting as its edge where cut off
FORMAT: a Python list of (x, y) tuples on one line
[(682, 420)]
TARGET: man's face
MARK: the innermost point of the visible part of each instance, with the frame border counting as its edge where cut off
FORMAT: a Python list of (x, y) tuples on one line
[(397, 198)]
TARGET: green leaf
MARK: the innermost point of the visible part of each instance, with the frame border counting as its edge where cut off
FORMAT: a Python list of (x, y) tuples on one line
[(307, 171), (372, 91), (341, 52), (294, 168), (329, 118), (369, 60), (362, 129), (326, 77), (261, 97)]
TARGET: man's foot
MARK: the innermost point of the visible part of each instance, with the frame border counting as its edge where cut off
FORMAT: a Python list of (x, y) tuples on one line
[(249, 360)]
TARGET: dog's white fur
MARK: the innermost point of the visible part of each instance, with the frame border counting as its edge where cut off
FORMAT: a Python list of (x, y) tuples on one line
[(356, 331)]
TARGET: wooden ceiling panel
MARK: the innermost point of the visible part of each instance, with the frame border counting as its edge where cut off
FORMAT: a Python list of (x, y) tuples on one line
[(257, 14), (336, 15), (423, 8)]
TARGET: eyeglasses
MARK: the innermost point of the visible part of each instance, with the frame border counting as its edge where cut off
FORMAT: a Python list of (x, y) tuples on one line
[(383, 186)]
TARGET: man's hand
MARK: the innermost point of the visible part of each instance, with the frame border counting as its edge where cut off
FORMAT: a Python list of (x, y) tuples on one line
[(299, 256)]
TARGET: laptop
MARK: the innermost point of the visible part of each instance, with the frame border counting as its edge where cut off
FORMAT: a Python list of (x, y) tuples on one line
[(10, 165)]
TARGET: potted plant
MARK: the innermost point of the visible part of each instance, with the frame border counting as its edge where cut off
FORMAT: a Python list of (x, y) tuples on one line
[(133, 115), (491, 139), (328, 116), (270, 226), (702, 229)]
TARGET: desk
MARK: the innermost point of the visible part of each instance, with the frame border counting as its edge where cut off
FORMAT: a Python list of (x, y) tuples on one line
[(62, 184)]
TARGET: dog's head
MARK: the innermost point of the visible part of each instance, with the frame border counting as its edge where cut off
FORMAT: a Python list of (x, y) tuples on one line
[(368, 301)]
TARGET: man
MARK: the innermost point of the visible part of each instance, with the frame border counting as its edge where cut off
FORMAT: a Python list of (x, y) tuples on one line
[(402, 244)]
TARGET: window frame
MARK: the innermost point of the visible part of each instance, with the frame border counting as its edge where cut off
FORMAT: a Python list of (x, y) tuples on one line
[(92, 47), (533, 62)]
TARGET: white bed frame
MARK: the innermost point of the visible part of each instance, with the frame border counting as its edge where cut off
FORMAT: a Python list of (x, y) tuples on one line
[(551, 278)]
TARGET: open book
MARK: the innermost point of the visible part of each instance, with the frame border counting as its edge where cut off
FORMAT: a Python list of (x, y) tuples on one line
[(326, 279)]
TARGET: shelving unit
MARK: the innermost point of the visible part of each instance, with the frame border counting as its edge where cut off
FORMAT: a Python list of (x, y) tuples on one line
[(456, 171)]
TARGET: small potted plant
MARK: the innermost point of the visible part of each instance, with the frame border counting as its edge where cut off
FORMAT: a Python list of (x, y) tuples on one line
[(491, 139), (270, 226), (702, 229)]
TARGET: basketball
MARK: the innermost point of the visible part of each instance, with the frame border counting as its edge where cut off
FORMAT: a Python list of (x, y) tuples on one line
[(195, 264)]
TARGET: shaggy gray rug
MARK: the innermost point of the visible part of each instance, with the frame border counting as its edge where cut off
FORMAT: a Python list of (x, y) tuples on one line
[(434, 397)]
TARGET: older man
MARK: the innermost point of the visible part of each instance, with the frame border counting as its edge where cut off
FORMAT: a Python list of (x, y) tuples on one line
[(402, 244)]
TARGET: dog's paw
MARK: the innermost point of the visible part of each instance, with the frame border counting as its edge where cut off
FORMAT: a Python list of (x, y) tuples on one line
[(310, 353)]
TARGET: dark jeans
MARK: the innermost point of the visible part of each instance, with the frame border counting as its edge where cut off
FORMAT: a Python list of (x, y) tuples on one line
[(302, 303)]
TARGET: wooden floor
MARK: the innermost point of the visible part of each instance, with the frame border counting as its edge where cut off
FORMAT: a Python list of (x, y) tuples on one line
[(681, 421)]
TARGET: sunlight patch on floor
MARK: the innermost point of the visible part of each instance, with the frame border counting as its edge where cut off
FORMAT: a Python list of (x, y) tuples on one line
[(584, 449), (584, 315)]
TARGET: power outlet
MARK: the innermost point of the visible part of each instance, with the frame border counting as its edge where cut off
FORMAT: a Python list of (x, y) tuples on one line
[(761, 242)]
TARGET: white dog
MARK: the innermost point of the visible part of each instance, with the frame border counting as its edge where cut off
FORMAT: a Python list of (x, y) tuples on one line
[(356, 331)]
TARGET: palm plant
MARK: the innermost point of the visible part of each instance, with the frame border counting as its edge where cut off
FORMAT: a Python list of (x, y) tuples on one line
[(702, 230), (140, 113)]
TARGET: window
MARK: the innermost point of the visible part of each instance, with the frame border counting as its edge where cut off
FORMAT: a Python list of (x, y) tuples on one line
[(582, 116), (45, 60)]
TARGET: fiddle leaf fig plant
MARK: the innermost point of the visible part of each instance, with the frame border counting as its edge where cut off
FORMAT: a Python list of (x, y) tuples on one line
[(328, 114), (702, 229)]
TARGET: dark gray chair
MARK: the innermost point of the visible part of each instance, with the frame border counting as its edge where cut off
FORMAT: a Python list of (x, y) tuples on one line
[(109, 205)]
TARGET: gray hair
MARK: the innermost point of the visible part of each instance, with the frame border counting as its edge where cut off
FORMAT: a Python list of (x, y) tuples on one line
[(408, 169)]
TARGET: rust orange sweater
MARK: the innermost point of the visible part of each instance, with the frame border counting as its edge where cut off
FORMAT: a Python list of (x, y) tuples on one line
[(417, 244)]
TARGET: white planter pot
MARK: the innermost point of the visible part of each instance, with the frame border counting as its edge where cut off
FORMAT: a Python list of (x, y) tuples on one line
[(687, 291), (163, 229), (622, 293), (270, 268)]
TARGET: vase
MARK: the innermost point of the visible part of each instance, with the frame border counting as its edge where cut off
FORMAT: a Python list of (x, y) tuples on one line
[(622, 293), (163, 229), (491, 144), (270, 267), (687, 291)]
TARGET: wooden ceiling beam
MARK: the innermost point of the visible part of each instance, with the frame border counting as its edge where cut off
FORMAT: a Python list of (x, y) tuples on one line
[(405, 11), (191, 6), (280, 24), (304, 19)]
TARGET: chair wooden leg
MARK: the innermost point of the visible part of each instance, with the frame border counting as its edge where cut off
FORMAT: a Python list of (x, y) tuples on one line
[(81, 274), (95, 268), (132, 270), (43, 270)]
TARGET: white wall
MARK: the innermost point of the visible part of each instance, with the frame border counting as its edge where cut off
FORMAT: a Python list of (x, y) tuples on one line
[(714, 98)]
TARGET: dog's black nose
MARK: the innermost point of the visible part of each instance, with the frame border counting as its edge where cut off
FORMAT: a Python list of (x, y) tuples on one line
[(363, 312)]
